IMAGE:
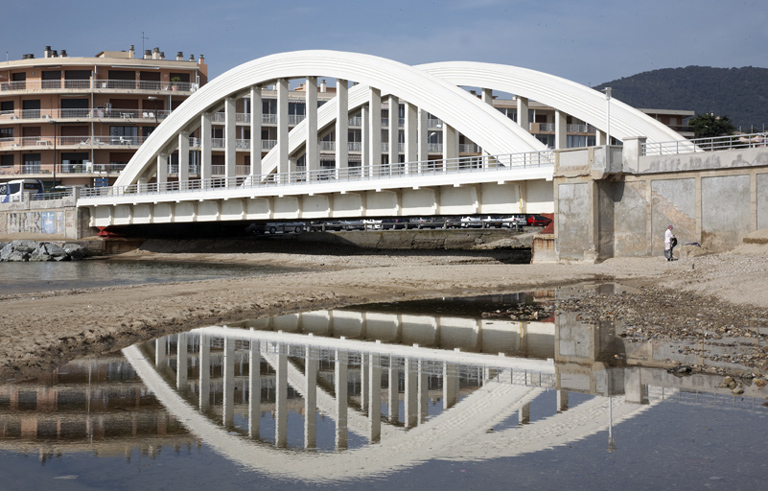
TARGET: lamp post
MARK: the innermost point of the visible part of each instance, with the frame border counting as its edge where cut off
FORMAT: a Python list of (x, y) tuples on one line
[(607, 91), (55, 156)]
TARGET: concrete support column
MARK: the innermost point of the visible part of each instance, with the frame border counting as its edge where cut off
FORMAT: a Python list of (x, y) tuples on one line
[(161, 355), (141, 185), (561, 130), (205, 374), (423, 142), (393, 402), (631, 152), (374, 130), (487, 95), (310, 399), (228, 369), (364, 383), (601, 138), (394, 130), (230, 141), (411, 393), (411, 131), (562, 401), (183, 159), (181, 362), (340, 383), (374, 404), (283, 165), (522, 113), (312, 155), (256, 117), (162, 170), (634, 389), (450, 146), (423, 394), (342, 127), (365, 141), (524, 416), (450, 385), (254, 389), (206, 148), (281, 398)]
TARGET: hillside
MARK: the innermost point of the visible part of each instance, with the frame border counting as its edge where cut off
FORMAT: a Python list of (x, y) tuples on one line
[(740, 93)]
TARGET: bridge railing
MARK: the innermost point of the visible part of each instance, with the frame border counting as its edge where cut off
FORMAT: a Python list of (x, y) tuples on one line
[(728, 142), (301, 176)]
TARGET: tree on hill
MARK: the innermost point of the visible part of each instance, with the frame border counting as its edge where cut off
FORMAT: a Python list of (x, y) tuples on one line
[(738, 92), (708, 125)]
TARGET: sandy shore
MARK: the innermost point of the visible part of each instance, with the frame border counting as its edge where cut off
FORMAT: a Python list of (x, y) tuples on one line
[(40, 331)]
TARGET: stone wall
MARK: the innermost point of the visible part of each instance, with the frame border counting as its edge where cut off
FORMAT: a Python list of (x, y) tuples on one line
[(56, 218), (608, 213)]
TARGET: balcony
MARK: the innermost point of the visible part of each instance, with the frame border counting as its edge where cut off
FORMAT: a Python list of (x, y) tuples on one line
[(104, 85), (45, 171), (98, 113), (38, 143)]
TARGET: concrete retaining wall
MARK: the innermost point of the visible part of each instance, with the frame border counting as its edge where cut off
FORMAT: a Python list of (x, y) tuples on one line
[(56, 218), (626, 213)]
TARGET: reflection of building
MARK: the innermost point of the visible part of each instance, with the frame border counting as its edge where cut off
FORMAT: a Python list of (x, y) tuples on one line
[(90, 114), (96, 405)]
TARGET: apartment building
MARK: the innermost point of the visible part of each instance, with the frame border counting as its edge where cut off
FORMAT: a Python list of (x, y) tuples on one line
[(78, 120)]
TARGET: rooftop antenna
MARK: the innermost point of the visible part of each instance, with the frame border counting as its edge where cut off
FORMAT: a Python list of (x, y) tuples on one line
[(143, 38)]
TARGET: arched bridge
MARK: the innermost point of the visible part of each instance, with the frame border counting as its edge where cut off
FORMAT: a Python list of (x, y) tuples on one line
[(393, 140)]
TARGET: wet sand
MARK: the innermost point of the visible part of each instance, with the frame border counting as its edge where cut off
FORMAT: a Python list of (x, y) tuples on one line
[(41, 331)]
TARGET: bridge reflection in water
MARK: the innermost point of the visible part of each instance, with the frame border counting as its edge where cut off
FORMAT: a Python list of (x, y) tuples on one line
[(354, 393), (357, 381)]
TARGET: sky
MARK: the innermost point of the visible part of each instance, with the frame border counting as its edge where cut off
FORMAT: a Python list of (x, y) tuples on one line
[(587, 41)]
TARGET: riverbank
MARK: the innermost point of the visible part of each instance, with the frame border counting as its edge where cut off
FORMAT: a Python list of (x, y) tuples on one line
[(40, 331)]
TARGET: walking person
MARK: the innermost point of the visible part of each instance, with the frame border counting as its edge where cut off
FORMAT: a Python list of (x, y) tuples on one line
[(670, 241)]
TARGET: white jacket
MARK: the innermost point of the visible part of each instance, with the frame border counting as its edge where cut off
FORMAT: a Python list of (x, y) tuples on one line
[(668, 236)]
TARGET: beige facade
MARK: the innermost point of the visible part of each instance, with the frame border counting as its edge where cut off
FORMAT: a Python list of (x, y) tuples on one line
[(75, 120)]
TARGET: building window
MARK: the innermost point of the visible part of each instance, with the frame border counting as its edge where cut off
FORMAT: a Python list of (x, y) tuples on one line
[(576, 141), (52, 79), (123, 134), (297, 108), (73, 161), (31, 163), (6, 160), (31, 109), (6, 132)]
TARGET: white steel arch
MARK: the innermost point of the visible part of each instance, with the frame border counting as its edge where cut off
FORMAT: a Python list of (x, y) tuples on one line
[(495, 133), (564, 95)]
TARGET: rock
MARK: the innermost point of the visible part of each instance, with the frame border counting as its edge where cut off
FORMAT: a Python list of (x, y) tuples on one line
[(727, 381), (37, 257), (760, 382), (53, 250), (17, 257), (737, 391), (26, 246), (74, 251), (680, 370)]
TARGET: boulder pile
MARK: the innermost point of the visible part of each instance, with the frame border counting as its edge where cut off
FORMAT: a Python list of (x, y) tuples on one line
[(30, 250)]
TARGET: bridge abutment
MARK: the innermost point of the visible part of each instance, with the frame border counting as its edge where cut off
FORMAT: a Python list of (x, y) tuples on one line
[(614, 201)]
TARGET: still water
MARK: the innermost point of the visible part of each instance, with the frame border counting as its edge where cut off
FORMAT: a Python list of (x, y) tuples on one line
[(451, 394), (33, 277)]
